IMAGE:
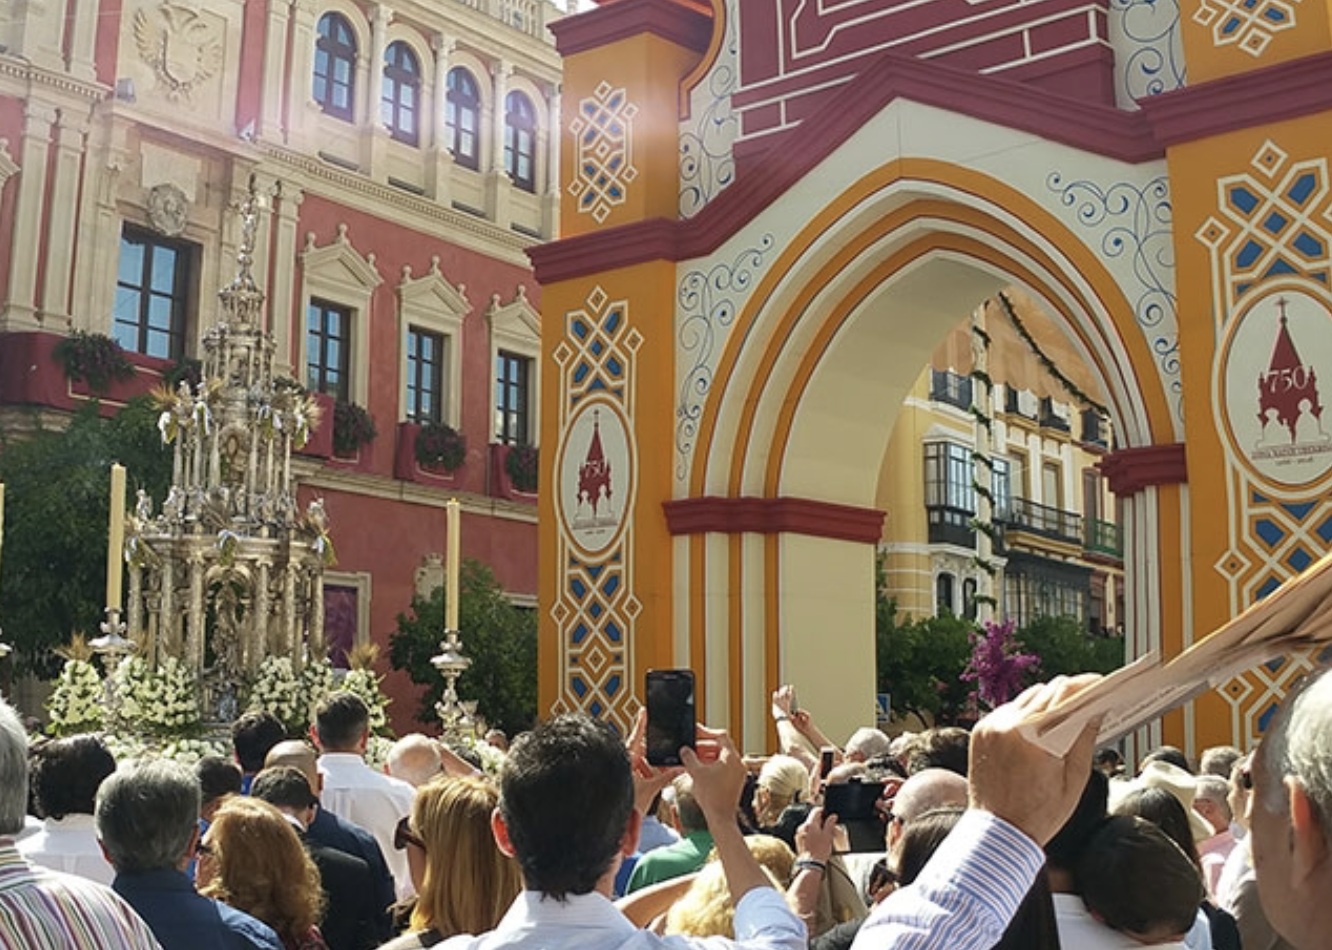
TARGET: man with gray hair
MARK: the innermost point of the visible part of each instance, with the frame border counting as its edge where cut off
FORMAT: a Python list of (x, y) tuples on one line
[(866, 743), (1290, 818), (148, 822), (415, 759), (41, 909)]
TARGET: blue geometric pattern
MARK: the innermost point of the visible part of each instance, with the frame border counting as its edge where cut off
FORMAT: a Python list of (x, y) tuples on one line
[(604, 131), (1248, 24)]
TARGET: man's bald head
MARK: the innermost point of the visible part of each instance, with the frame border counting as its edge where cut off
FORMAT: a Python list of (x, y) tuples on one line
[(300, 756), (927, 790)]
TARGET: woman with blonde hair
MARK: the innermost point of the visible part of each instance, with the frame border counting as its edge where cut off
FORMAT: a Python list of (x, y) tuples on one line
[(252, 859), (782, 781), (464, 883)]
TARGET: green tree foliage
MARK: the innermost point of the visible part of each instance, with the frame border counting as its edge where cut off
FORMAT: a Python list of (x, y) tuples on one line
[(57, 481), (501, 640), (1065, 647)]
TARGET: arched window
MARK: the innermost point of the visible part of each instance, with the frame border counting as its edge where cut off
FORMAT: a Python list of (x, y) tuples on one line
[(520, 140), (943, 594), (462, 116), (401, 104), (335, 67)]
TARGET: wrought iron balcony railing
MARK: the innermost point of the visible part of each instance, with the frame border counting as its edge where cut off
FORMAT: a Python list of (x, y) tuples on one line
[(1056, 523)]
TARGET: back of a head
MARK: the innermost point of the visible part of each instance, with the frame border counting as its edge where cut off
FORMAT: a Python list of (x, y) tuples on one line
[(1135, 879), (786, 780), (468, 882), (218, 778), (1211, 798), (341, 719), (566, 791), (687, 810), (921, 837), (252, 736), (927, 790), (147, 813), (13, 771), (942, 747), (1167, 753), (866, 743), (1163, 810), (283, 787), (1063, 850), (297, 754), (415, 759), (1218, 760), (66, 774)]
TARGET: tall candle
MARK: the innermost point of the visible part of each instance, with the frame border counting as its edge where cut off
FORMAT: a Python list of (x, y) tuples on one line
[(115, 541), (454, 512)]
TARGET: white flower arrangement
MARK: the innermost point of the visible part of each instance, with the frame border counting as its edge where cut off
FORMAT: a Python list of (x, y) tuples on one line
[(365, 684), (317, 681), (491, 757), (190, 751), (377, 752), (162, 702), (277, 689), (76, 704), (125, 748)]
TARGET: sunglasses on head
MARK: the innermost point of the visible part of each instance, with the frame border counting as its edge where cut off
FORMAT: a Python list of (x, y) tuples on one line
[(403, 835)]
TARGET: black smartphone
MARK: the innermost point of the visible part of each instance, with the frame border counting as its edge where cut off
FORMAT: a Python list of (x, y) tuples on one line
[(670, 715), (852, 801), (826, 761)]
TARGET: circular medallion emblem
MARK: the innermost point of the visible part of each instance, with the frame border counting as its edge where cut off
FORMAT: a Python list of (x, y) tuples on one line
[(595, 471), (1276, 373)]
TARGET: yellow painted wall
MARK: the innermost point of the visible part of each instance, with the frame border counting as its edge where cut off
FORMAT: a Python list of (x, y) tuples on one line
[(1257, 44)]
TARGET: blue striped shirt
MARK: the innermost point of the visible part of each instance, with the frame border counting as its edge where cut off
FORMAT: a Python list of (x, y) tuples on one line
[(42, 909), (965, 896)]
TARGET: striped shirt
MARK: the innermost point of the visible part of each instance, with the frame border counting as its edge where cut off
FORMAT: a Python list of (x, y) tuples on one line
[(965, 896), (42, 909)]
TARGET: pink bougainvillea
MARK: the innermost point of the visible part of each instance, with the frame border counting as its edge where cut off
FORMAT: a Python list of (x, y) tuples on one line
[(997, 666)]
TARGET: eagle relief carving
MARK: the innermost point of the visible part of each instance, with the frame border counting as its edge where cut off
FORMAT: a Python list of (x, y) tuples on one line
[(183, 48)]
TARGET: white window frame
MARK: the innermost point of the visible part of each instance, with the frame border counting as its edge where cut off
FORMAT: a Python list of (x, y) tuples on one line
[(516, 328), (340, 274), (430, 302)]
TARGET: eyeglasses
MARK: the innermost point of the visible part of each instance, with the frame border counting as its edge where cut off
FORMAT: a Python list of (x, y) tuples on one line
[(204, 849), (403, 835)]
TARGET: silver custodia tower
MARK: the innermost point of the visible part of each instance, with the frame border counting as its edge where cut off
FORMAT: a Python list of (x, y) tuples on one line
[(230, 571)]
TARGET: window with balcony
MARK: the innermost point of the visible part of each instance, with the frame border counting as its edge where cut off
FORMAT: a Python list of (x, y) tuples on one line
[(328, 349), (520, 140), (512, 398), (462, 118), (400, 107), (950, 497), (1095, 429), (1040, 587), (425, 376), (335, 67), (154, 282), (950, 388)]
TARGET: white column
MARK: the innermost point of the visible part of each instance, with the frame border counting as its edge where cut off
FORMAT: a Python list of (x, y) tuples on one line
[(83, 39), (500, 72), (282, 287), (28, 214), (380, 19), (35, 29), (277, 82), (63, 218), (555, 131), (301, 106)]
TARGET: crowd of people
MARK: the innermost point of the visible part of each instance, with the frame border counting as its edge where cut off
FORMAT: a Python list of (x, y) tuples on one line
[(944, 839)]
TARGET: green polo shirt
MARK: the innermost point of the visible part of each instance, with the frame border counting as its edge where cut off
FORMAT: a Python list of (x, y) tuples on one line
[(675, 860)]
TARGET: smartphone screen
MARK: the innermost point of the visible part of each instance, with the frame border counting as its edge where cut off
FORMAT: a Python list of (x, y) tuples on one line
[(670, 715), (852, 801), (826, 761)]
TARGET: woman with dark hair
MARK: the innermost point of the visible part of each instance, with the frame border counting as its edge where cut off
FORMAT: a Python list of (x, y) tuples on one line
[(66, 774), (252, 859), (1215, 929)]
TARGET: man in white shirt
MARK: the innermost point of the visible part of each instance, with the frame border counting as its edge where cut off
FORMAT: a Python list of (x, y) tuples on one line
[(354, 791)]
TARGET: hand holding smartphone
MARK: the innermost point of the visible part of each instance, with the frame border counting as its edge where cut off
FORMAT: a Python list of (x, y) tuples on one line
[(671, 722)]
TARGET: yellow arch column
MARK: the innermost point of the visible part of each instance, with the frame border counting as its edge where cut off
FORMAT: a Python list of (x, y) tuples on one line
[(1248, 153), (608, 345)]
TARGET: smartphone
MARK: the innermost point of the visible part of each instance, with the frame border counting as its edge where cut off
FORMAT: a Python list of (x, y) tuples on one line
[(852, 801), (795, 703), (826, 755), (670, 715)]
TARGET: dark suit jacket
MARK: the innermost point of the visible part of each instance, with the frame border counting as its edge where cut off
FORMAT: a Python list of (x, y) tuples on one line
[(351, 919), (341, 835)]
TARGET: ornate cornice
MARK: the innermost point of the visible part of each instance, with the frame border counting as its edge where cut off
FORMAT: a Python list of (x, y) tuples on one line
[(1129, 471), (679, 21), (1283, 91), (819, 519), (510, 245), (39, 77), (1101, 130)]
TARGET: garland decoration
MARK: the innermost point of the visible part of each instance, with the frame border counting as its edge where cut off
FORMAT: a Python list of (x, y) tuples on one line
[(1069, 386)]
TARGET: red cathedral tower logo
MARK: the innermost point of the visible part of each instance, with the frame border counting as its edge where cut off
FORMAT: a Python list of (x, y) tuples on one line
[(594, 480), (1289, 387)]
